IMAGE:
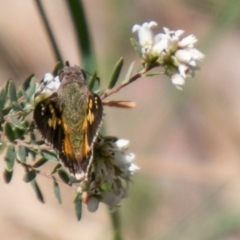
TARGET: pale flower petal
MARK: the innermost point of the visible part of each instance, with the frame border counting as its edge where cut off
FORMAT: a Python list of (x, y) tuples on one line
[(187, 41), (145, 34), (183, 56), (177, 80), (122, 143), (183, 69)]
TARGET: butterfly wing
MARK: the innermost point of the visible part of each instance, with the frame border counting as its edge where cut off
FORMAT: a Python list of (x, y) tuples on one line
[(89, 130), (47, 116), (94, 115)]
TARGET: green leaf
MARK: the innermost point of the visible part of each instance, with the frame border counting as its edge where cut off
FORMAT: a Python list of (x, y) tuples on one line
[(40, 162), (15, 122), (6, 110), (92, 81), (29, 176), (9, 132), (3, 146), (150, 74), (63, 175), (7, 175), (86, 51), (56, 168), (78, 206), (57, 192), (16, 106), (21, 154), (129, 72), (10, 157), (24, 87), (12, 94), (49, 155), (32, 88), (115, 74), (37, 191), (3, 95), (136, 46)]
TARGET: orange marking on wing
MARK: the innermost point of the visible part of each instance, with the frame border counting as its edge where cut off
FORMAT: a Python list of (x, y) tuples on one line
[(86, 147), (67, 148)]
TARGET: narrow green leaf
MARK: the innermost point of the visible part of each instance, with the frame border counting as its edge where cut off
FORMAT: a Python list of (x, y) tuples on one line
[(40, 162), (29, 176), (15, 122), (6, 110), (8, 131), (24, 87), (32, 88), (63, 175), (136, 46), (10, 157), (86, 51), (78, 206), (57, 192), (37, 191), (12, 94), (56, 168), (49, 155), (116, 72), (3, 95), (3, 146), (15, 106), (92, 81), (49, 31), (150, 74), (7, 175), (21, 154), (129, 72)]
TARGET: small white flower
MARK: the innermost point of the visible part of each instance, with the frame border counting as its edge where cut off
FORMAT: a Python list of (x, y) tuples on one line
[(112, 169), (47, 86), (178, 56), (133, 168), (187, 41), (145, 33), (183, 56), (178, 80), (183, 70), (122, 143)]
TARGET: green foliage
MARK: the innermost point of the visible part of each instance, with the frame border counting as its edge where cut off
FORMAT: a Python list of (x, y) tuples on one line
[(78, 206), (136, 46), (116, 72), (37, 191), (18, 140), (57, 191)]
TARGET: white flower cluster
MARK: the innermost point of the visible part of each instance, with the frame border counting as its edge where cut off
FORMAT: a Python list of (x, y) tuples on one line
[(46, 87), (178, 56), (111, 173)]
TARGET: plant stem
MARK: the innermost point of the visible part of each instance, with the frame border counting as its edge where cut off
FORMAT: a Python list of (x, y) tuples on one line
[(109, 92), (115, 219), (46, 24)]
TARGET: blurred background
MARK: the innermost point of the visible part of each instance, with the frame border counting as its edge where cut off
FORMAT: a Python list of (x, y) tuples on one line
[(187, 143)]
